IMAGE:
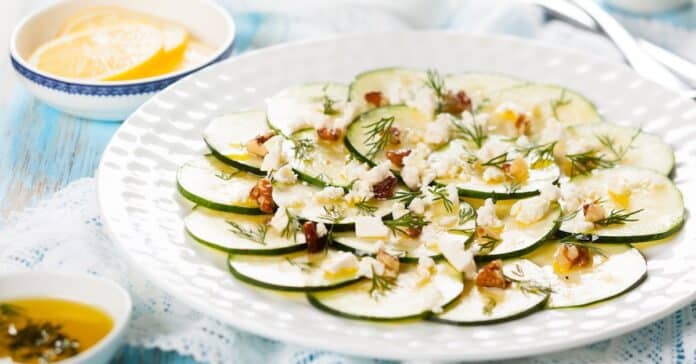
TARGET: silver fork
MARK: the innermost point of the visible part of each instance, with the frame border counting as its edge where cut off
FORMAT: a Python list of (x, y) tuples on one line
[(589, 15)]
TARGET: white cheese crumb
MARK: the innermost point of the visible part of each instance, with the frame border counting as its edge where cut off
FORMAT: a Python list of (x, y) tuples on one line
[(348, 110), (438, 131), (329, 194), (461, 259), (279, 220), (378, 173), (552, 132), (370, 227), (274, 158), (367, 265), (416, 171), (398, 209), (453, 194), (530, 210), (417, 206), (571, 197), (423, 99), (341, 261), (492, 175), (486, 215), (550, 192), (321, 230), (354, 170), (285, 175), (491, 149)]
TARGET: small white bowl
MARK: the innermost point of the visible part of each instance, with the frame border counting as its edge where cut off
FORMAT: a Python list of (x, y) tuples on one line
[(113, 100), (97, 292)]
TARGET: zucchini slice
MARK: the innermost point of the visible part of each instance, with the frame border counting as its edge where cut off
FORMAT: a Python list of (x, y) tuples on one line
[(475, 187), (405, 298), (384, 80), (208, 182), (300, 201), (546, 101), (293, 108), (654, 203), (615, 269), (365, 133), (406, 248), (323, 163), (290, 272), (480, 86), (239, 234), (226, 137), (518, 239), (630, 145), (482, 306)]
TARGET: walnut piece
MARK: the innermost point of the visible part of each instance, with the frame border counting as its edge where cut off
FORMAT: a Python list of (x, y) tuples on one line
[(375, 98), (569, 256), (262, 193), (385, 189), (255, 146), (397, 157), (315, 244), (329, 134), (491, 275), (391, 263), (517, 170), (395, 136), (593, 211), (456, 103)]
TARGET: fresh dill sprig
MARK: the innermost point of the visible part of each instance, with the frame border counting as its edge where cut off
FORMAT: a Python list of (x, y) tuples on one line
[(474, 133), (483, 104), (440, 194), (333, 213), (488, 244), (528, 286), (489, 306), (328, 103), (435, 82), (226, 176), (379, 135), (305, 267), (568, 217), (619, 152), (584, 163), (406, 222), (257, 235), (541, 153), (291, 228), (466, 214), (365, 208), (497, 161), (581, 241), (380, 285), (512, 187), (303, 149), (559, 102), (406, 197), (618, 217)]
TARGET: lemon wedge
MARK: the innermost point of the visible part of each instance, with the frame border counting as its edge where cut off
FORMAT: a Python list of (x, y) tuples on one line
[(176, 36), (116, 53)]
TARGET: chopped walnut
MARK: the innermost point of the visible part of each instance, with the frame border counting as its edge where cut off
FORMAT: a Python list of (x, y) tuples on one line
[(456, 103), (523, 125), (395, 136), (491, 275), (262, 193), (330, 134), (517, 170), (413, 232), (391, 263), (385, 189), (569, 256), (397, 157), (315, 243), (375, 98), (255, 146), (593, 211)]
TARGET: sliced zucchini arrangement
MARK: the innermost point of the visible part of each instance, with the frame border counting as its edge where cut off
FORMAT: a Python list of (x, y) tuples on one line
[(463, 199)]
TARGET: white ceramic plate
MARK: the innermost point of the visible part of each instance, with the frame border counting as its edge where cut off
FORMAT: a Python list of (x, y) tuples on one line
[(143, 215)]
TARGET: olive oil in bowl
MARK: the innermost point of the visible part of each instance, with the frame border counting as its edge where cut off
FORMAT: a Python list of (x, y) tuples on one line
[(44, 330)]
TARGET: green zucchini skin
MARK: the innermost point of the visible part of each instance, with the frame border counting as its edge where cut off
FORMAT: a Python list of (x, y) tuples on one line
[(634, 238), (218, 206), (515, 254), (231, 162), (338, 245), (630, 288), (538, 307), (277, 251), (257, 283)]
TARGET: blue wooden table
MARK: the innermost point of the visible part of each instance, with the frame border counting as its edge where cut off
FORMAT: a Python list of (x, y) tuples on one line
[(42, 150)]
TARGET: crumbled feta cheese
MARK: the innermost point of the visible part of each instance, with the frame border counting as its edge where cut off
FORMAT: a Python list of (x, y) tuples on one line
[(275, 157), (423, 99), (523, 141), (317, 119), (237, 194), (431, 235), (329, 194), (550, 192), (460, 258), (398, 210), (321, 230), (492, 175), (354, 170), (553, 131), (438, 131), (370, 227), (348, 110), (341, 262), (378, 173), (446, 165), (530, 210), (486, 215), (448, 221), (580, 224), (285, 175), (491, 149), (279, 220), (417, 206), (452, 194), (571, 197), (426, 265), (368, 265), (416, 171), (432, 298), (360, 191)]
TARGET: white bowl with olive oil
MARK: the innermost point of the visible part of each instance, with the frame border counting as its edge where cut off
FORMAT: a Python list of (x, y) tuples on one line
[(81, 318)]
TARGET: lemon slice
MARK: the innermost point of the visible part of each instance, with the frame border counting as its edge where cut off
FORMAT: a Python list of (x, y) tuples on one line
[(176, 36), (116, 53)]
